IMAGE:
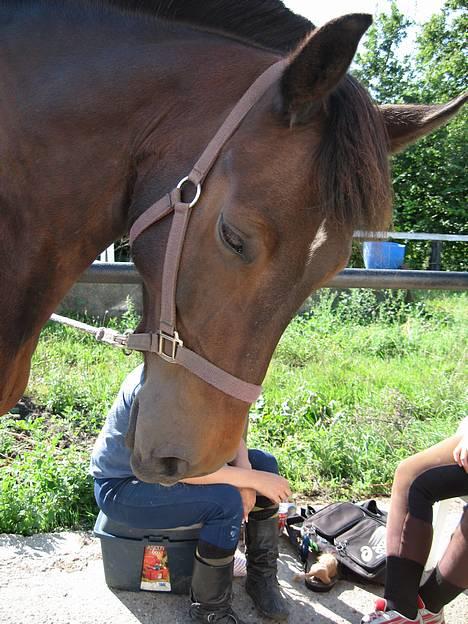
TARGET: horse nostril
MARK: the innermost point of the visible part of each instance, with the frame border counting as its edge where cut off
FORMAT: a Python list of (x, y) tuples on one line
[(156, 469), (171, 466)]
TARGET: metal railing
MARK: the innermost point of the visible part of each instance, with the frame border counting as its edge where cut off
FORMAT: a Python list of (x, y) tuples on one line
[(420, 236), (125, 273)]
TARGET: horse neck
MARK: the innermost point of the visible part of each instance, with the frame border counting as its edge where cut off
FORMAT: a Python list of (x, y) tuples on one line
[(137, 89), (84, 99)]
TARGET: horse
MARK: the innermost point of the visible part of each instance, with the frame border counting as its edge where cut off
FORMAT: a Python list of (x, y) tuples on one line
[(105, 107)]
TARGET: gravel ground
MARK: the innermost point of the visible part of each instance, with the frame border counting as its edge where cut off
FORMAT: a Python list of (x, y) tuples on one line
[(58, 578)]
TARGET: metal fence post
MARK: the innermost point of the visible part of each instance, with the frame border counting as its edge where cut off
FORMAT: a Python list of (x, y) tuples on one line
[(435, 261)]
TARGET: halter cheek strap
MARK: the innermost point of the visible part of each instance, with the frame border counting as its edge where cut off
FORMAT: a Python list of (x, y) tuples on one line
[(166, 342)]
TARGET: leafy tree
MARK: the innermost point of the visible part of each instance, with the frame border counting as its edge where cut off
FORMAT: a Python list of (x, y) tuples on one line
[(385, 74), (429, 180)]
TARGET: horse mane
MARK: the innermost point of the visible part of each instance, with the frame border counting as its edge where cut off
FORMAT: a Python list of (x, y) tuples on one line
[(267, 23)]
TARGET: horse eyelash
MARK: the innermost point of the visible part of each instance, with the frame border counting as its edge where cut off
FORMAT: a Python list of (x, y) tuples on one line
[(233, 240)]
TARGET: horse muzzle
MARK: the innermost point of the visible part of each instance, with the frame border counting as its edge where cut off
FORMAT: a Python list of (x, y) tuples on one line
[(166, 470)]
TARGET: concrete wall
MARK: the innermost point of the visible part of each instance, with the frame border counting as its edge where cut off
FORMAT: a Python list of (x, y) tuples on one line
[(101, 300)]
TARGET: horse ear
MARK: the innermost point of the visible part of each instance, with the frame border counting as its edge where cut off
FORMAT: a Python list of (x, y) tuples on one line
[(407, 123), (320, 62)]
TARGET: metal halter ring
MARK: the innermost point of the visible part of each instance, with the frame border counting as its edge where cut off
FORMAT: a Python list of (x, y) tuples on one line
[(197, 192)]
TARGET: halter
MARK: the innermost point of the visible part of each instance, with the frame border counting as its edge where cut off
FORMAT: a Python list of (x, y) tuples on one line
[(166, 341)]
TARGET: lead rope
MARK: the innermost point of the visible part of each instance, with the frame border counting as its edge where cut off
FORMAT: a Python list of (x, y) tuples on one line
[(101, 334)]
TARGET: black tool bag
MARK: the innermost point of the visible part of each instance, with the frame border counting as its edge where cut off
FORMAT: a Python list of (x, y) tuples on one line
[(354, 533)]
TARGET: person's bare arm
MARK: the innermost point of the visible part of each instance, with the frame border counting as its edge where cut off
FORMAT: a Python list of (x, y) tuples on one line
[(230, 475), (271, 485), (248, 494)]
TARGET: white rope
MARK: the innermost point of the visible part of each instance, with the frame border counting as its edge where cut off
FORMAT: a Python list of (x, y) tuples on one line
[(101, 334)]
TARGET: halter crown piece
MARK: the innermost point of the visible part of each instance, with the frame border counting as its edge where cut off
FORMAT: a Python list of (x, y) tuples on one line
[(166, 341)]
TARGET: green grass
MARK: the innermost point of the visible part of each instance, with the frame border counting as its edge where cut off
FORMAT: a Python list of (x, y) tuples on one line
[(45, 443), (355, 386)]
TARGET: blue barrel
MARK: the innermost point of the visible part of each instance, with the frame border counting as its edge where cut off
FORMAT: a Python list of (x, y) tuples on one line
[(383, 255)]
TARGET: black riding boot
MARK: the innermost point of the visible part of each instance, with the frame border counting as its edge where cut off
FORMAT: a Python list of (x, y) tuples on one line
[(212, 594), (261, 538)]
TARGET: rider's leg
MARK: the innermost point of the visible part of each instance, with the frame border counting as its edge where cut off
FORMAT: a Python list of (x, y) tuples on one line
[(262, 548), (420, 481)]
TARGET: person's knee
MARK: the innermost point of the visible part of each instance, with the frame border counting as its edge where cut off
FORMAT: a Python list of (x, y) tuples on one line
[(406, 473), (432, 485), (261, 460), (230, 501)]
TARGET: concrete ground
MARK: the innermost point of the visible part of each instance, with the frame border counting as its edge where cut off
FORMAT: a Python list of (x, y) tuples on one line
[(58, 578)]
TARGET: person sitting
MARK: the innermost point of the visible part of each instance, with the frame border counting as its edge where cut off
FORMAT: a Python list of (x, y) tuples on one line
[(436, 474), (249, 488)]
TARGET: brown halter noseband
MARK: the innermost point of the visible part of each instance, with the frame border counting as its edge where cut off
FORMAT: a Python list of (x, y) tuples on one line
[(166, 341)]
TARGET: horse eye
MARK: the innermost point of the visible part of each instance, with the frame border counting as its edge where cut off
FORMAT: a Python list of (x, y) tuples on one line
[(231, 238)]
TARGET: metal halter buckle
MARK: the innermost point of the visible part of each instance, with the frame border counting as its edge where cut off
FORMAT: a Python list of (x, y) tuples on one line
[(197, 190), (121, 340), (175, 343)]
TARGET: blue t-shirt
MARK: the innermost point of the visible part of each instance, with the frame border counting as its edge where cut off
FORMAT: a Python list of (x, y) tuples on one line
[(110, 458)]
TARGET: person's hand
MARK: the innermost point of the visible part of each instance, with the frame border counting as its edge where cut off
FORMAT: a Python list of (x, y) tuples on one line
[(271, 485), (248, 496), (460, 453)]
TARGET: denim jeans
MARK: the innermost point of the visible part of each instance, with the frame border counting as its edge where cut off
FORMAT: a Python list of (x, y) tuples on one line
[(150, 505)]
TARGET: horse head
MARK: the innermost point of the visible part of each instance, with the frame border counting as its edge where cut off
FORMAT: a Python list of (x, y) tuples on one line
[(306, 167)]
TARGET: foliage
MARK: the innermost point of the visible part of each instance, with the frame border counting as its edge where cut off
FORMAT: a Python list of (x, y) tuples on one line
[(45, 487), (356, 384), (429, 179), (386, 75)]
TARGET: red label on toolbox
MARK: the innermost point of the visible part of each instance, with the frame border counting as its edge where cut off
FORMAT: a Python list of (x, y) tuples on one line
[(155, 574)]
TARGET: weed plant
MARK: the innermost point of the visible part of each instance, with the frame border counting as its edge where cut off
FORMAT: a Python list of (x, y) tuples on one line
[(358, 383)]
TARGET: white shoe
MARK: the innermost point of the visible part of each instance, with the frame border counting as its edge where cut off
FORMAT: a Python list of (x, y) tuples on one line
[(427, 616), (240, 564), (381, 615)]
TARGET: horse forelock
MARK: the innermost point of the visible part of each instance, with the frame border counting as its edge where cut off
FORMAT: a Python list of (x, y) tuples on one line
[(352, 160)]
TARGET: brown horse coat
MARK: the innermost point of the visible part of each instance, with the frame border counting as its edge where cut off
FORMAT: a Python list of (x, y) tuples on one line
[(103, 111)]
